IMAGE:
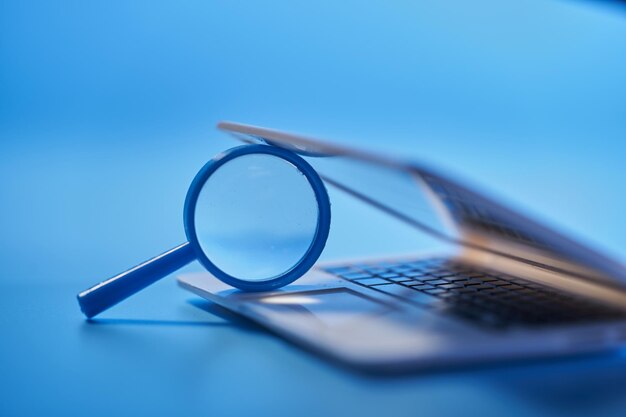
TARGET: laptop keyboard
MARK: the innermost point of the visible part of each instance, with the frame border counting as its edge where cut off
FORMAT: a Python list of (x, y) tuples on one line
[(484, 298)]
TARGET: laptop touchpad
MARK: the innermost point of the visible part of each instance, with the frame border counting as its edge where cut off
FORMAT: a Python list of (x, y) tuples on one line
[(329, 308)]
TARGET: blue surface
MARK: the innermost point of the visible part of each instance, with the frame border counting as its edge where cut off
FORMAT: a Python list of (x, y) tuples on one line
[(107, 112)]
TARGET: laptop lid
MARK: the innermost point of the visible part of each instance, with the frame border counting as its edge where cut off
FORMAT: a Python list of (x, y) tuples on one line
[(441, 206)]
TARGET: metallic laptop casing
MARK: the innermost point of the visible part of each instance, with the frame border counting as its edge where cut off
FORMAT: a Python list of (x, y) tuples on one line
[(387, 334)]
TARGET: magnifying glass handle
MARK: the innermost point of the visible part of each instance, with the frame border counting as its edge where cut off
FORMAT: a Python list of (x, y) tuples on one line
[(106, 294)]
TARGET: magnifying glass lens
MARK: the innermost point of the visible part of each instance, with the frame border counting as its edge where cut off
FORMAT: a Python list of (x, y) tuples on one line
[(256, 217)]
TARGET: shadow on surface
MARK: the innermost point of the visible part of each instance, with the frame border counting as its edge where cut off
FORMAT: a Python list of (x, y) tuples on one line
[(147, 322), (230, 318)]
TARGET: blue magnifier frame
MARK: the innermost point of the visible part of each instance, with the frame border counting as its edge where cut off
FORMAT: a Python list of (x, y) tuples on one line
[(104, 295), (319, 239)]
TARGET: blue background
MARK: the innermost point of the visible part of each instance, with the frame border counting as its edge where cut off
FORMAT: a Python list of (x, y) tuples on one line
[(107, 110)]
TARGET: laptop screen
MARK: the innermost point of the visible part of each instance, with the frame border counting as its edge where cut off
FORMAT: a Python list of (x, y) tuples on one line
[(443, 207)]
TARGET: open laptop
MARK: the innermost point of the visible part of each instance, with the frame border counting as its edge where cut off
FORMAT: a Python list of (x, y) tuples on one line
[(504, 286)]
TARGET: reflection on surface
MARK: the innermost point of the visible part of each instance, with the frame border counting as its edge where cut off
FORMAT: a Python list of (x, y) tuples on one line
[(330, 308), (290, 299)]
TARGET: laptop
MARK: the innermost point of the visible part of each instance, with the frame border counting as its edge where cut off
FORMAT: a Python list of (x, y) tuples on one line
[(503, 286)]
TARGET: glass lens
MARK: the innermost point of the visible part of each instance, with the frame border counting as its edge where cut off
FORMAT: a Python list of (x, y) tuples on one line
[(256, 217)]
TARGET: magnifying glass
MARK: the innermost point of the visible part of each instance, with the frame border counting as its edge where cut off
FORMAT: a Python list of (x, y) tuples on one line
[(256, 217)]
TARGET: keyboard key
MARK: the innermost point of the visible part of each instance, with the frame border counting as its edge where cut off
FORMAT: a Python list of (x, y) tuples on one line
[(444, 274), (423, 278), (435, 291), (457, 278), (512, 287), (400, 279), (423, 287), (389, 275), (499, 283), (449, 286), (435, 281), (356, 275), (368, 282), (412, 283), (465, 290), (416, 274), (408, 294), (483, 287)]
